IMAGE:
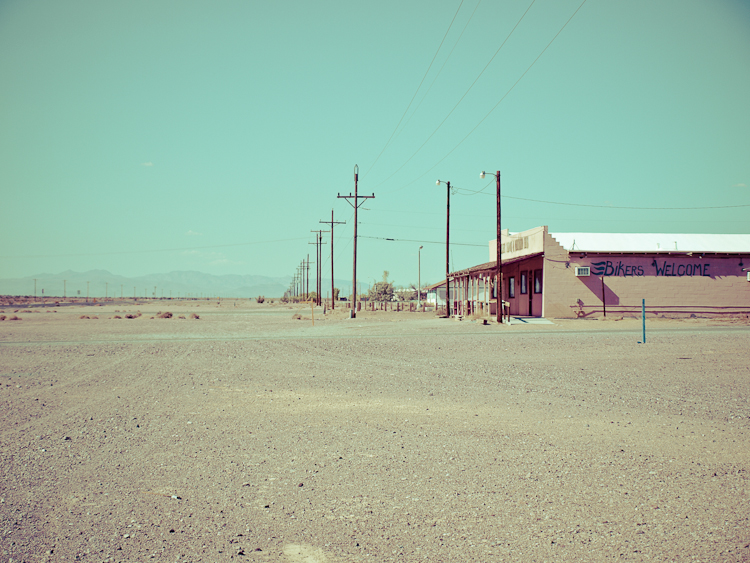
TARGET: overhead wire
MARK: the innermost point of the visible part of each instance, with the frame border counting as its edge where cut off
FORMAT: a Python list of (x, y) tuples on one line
[(442, 67), (497, 104), (459, 101), (415, 92)]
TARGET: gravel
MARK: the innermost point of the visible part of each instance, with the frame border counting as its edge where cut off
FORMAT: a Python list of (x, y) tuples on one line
[(252, 436)]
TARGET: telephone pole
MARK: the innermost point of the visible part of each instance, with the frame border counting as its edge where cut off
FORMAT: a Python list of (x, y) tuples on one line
[(332, 223), (318, 264), (65, 288), (447, 249), (35, 289), (356, 206)]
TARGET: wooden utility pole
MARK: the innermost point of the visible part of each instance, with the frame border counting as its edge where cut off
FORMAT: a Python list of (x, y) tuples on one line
[(447, 249), (332, 223), (355, 205), (318, 264)]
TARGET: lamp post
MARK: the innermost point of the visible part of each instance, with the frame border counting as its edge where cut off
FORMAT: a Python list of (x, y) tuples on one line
[(499, 268), (447, 248), (419, 277)]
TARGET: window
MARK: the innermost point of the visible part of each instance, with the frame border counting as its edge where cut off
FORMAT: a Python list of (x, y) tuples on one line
[(524, 285), (537, 281), (493, 287), (511, 287)]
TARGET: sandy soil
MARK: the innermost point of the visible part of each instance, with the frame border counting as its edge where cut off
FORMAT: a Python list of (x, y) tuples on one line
[(247, 435)]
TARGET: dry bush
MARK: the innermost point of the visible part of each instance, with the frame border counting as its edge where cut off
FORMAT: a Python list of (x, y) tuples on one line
[(14, 318), (94, 317), (16, 311), (129, 316), (117, 317), (3, 317), (297, 317), (27, 311), (194, 316), (164, 315), (260, 299), (181, 317), (83, 317)]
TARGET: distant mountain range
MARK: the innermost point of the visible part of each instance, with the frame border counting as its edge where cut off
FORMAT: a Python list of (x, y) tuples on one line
[(101, 283)]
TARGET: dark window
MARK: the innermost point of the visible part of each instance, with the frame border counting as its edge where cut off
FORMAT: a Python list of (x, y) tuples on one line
[(537, 281), (524, 285), (511, 287)]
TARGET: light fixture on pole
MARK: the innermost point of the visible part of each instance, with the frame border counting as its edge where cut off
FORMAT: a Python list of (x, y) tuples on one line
[(447, 249), (499, 268), (419, 277)]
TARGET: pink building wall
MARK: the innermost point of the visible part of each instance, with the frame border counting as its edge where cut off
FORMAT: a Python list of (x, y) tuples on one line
[(671, 284)]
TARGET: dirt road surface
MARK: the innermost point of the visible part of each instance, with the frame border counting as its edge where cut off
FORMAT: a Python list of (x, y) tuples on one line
[(247, 435)]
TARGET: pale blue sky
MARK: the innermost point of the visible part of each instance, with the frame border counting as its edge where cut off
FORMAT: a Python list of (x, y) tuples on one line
[(143, 137)]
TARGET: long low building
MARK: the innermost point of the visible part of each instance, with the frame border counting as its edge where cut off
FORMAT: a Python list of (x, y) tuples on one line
[(569, 275)]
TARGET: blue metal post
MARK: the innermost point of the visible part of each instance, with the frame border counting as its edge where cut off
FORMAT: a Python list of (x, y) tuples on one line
[(643, 317)]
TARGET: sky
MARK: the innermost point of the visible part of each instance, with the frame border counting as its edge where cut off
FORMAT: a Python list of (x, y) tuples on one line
[(151, 136)]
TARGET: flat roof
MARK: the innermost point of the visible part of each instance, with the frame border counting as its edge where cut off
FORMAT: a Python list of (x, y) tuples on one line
[(652, 242)]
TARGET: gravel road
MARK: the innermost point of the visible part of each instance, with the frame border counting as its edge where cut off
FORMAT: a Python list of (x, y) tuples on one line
[(248, 435)]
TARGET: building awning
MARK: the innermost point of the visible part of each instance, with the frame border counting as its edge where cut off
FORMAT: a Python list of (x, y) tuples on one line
[(492, 266)]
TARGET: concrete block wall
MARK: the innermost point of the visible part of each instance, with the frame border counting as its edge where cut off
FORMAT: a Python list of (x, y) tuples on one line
[(672, 284)]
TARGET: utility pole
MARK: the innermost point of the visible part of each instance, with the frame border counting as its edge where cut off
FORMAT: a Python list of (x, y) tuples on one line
[(499, 268), (35, 289), (121, 291), (87, 292), (355, 205), (318, 264), (332, 223), (447, 249), (307, 278), (65, 288), (106, 289)]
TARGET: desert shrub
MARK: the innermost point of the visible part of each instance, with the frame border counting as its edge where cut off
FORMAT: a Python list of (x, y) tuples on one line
[(83, 317), (297, 317), (165, 315), (194, 316), (138, 314), (94, 317), (3, 317), (117, 317), (260, 299), (181, 317), (14, 318), (16, 311), (27, 311), (129, 316)]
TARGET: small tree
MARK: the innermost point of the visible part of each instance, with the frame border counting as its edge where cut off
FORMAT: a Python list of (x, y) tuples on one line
[(382, 290), (336, 292)]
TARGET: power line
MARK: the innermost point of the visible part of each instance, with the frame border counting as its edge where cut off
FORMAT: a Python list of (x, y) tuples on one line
[(610, 206), (462, 97), (415, 92), (443, 66), (156, 250), (423, 241), (497, 104)]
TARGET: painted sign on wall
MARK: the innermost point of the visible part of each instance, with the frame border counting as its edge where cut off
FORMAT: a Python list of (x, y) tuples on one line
[(657, 268)]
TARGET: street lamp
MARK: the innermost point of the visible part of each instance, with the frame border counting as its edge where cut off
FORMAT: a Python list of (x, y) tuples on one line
[(499, 269), (447, 248), (419, 277)]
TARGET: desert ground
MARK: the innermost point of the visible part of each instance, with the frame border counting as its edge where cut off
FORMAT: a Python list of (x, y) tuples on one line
[(250, 435)]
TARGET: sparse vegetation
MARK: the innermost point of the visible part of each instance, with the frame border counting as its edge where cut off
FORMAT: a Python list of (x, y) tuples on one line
[(164, 315), (117, 317), (181, 317), (3, 317), (84, 317), (14, 318), (260, 299), (194, 316)]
